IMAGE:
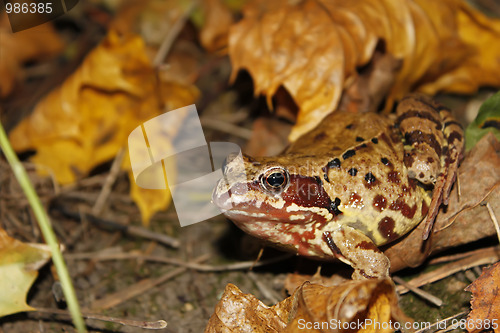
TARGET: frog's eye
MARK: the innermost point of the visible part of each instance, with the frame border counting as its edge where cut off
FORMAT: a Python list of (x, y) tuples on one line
[(275, 179)]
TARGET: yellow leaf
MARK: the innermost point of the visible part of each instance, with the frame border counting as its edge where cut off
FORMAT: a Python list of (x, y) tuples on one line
[(19, 264), (87, 120)]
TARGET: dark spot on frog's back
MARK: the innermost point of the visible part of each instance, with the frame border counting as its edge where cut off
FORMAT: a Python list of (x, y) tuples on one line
[(349, 153), (393, 177), (386, 228), (355, 200), (375, 140), (430, 139), (334, 207), (454, 136), (408, 211), (350, 126), (379, 202), (359, 139), (385, 161), (405, 209), (352, 171), (408, 159), (370, 178), (366, 246), (335, 163)]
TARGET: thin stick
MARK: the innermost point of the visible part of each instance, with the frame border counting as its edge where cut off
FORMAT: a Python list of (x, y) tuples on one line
[(425, 295), (458, 256), (151, 325), (450, 269), (139, 288), (226, 127), (46, 228), (494, 219), (172, 34), (266, 292), (108, 184), (127, 229), (99, 256)]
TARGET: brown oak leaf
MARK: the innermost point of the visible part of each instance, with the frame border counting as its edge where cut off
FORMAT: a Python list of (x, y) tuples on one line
[(485, 303)]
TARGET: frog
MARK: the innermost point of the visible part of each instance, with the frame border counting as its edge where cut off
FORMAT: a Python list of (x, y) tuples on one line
[(354, 183)]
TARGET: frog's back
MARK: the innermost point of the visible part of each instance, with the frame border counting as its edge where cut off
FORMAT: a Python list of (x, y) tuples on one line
[(340, 131), (360, 160)]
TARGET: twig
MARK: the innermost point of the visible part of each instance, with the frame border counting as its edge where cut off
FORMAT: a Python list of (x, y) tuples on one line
[(127, 229), (151, 325), (266, 292), (172, 34), (450, 269), (494, 219), (425, 295), (100, 256), (108, 184), (139, 288), (226, 127), (458, 256)]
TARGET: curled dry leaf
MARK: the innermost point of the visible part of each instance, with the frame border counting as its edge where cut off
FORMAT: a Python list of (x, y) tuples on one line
[(485, 302), (37, 43), (312, 308), (19, 264), (466, 219), (87, 120), (240, 312), (313, 48)]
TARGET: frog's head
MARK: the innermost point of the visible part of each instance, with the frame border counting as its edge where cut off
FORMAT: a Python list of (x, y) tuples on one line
[(260, 194)]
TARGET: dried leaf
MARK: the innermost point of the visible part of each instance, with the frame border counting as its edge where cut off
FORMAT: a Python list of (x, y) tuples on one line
[(353, 306), (313, 308), (87, 120), (37, 43), (19, 264), (485, 302), (239, 312), (313, 48)]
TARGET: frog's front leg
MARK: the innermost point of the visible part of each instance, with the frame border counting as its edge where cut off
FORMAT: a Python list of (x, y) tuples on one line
[(357, 250)]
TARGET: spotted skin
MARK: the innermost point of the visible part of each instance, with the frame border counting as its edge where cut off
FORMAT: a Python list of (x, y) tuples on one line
[(348, 186)]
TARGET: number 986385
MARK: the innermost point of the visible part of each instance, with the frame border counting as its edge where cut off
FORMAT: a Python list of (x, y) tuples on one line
[(28, 8)]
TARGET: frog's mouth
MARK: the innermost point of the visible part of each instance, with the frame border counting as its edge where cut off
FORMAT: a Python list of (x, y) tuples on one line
[(246, 203)]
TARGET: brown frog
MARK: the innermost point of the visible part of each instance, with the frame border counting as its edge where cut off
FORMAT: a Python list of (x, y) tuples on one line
[(355, 182)]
